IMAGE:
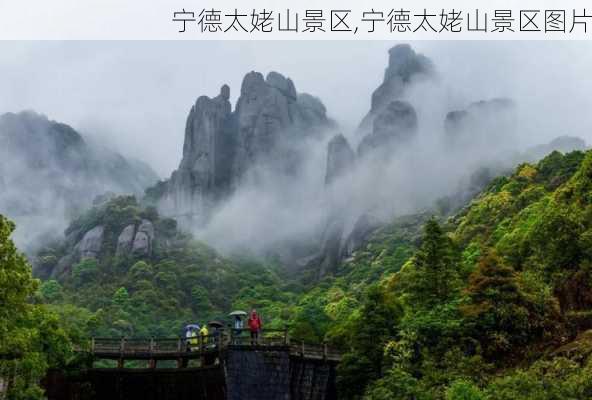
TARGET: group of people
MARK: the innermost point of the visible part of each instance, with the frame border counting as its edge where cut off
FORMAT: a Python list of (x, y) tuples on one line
[(194, 332)]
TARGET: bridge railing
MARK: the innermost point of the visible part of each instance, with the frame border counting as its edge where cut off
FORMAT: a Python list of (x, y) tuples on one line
[(266, 337), (177, 347), (315, 351), (223, 338)]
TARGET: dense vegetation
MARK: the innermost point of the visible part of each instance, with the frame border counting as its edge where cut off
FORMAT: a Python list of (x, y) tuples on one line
[(494, 302), (477, 310), (31, 337), (181, 281)]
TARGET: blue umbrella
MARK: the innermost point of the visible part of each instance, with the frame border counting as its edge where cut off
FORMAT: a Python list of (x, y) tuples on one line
[(192, 326)]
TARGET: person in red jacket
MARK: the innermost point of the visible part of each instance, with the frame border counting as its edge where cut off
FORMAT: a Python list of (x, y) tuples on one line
[(255, 326)]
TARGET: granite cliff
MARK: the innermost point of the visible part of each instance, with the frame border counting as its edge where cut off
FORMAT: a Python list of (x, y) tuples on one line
[(222, 147)]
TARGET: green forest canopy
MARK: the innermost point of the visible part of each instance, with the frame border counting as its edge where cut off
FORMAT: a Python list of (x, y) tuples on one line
[(474, 306)]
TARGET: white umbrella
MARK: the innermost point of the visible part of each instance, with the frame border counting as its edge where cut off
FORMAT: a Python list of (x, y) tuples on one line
[(238, 313)]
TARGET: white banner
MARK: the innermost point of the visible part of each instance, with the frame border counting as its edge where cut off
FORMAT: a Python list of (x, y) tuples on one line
[(295, 20)]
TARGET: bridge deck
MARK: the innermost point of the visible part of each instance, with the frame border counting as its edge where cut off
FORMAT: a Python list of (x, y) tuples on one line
[(195, 348)]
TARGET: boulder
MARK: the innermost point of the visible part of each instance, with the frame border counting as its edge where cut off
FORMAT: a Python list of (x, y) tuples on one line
[(91, 243), (144, 239), (88, 247), (125, 240)]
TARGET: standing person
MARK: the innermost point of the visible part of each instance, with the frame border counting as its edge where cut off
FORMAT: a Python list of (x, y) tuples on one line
[(191, 336), (188, 338), (255, 326), (238, 322), (204, 335), (193, 340), (238, 328)]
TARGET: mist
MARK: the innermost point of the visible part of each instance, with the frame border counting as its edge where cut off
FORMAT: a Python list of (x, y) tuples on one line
[(134, 97), (276, 209)]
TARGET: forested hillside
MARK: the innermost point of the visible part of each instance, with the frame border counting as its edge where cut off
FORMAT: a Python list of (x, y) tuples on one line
[(147, 285), (491, 303), (483, 307)]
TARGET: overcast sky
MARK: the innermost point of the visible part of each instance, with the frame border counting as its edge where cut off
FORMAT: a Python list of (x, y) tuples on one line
[(134, 96)]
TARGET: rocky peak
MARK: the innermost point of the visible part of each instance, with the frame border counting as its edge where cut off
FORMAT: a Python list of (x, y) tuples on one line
[(221, 145), (281, 83), (225, 92), (206, 118), (270, 116), (405, 66)]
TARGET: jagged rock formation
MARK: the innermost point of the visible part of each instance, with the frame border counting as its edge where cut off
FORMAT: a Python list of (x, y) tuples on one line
[(390, 123), (340, 242), (222, 146), (340, 160), (363, 228), (404, 67), (395, 124), (331, 245), (48, 171), (204, 173)]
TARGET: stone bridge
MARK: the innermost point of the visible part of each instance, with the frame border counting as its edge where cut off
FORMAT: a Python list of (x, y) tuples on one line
[(224, 367)]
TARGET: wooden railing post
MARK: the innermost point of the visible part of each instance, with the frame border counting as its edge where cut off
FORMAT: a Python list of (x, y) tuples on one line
[(302, 349), (180, 359), (286, 336), (324, 350), (92, 345)]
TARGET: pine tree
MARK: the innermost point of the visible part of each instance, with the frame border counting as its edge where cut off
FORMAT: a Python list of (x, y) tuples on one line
[(497, 307), (435, 277)]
